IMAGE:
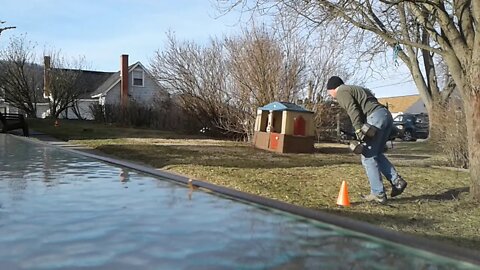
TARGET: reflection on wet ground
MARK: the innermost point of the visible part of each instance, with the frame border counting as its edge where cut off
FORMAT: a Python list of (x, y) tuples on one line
[(59, 210)]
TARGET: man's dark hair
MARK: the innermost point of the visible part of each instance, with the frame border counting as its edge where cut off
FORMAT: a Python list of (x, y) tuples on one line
[(334, 82)]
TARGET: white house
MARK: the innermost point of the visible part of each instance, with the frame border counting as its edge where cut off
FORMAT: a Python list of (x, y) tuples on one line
[(130, 83)]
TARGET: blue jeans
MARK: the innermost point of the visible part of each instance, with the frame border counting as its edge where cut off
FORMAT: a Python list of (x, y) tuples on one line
[(373, 159)]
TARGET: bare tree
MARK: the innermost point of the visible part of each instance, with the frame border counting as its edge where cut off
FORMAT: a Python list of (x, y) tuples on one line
[(261, 69), (20, 77), (321, 60), (196, 75), (264, 68), (64, 85), (224, 83), (445, 28)]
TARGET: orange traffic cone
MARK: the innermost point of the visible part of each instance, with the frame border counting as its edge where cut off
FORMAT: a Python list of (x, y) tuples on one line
[(343, 195)]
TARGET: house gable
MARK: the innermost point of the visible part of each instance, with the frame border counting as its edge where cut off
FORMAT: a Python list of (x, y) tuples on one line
[(140, 91)]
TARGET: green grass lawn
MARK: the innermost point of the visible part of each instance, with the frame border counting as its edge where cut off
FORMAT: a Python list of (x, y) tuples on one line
[(435, 204)]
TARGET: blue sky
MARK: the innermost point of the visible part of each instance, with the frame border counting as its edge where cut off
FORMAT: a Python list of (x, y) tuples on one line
[(396, 81), (102, 30)]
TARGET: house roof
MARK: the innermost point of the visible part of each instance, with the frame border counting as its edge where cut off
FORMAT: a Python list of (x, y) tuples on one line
[(98, 83), (400, 103), (107, 84), (91, 80), (283, 106)]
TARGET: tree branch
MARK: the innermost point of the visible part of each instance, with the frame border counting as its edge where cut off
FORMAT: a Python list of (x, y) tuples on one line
[(464, 15), (5, 28)]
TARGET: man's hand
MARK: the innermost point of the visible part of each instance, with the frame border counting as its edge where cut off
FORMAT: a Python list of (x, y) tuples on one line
[(359, 134)]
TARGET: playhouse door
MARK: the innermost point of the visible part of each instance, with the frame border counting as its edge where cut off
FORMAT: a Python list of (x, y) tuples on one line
[(274, 137)]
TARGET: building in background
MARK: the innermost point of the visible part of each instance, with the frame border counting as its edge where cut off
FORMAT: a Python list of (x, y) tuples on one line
[(130, 83), (404, 104)]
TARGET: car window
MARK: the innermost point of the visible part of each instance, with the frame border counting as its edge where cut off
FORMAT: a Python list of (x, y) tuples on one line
[(422, 119)]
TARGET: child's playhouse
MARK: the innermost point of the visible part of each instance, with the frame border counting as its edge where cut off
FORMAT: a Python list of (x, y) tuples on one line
[(284, 127)]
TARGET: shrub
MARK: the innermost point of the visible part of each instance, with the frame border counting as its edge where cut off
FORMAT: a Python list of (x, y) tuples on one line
[(451, 133), (161, 115), (328, 118)]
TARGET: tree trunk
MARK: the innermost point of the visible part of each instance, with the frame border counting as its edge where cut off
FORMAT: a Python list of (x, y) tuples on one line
[(427, 87), (436, 114), (472, 110)]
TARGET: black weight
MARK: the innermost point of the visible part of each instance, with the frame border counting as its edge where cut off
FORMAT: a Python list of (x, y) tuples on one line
[(356, 147)]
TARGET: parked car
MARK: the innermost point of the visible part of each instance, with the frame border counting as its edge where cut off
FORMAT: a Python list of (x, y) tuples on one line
[(411, 127)]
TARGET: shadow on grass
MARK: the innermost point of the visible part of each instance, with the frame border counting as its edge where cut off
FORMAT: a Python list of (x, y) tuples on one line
[(90, 130), (449, 195), (333, 150), (419, 147), (409, 157), (382, 219), (401, 221), (221, 156)]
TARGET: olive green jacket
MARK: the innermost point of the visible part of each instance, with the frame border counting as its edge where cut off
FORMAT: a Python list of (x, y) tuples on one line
[(359, 102)]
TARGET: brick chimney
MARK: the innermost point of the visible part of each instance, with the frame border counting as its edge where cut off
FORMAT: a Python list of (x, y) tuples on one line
[(46, 76), (124, 80)]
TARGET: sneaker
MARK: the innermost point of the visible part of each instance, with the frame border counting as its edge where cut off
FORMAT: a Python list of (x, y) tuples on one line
[(381, 198), (399, 187)]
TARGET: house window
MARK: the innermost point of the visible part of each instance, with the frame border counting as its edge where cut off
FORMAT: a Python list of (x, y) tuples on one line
[(137, 77)]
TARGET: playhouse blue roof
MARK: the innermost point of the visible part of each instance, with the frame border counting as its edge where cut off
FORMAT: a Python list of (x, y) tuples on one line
[(283, 106)]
